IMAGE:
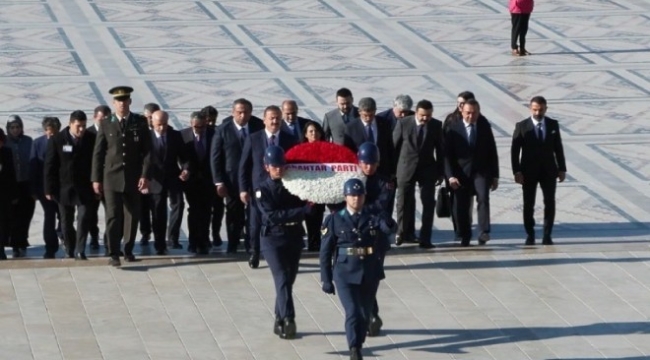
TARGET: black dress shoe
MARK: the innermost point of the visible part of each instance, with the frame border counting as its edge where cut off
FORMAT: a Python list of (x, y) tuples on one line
[(254, 261), (277, 327), (203, 250), (216, 242), (70, 255), (129, 258), (231, 251), (48, 255), (288, 329), (80, 256), (3, 255), (530, 241), (191, 249), (114, 261), (94, 245), (424, 245), (399, 240), (355, 353), (161, 252), (177, 246), (375, 326), (464, 242), (547, 240)]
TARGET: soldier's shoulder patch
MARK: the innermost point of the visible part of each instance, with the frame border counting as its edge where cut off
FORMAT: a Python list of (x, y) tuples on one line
[(258, 194)]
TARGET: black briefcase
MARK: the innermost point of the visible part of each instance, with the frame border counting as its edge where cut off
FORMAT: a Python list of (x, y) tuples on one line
[(443, 203)]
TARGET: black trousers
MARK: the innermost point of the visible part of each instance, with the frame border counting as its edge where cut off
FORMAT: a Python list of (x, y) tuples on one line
[(519, 30), (548, 183), (75, 239), (314, 223), (176, 209), (406, 206), (235, 221), (50, 213), (122, 216), (199, 202), (146, 214), (20, 216), (462, 207), (5, 208), (254, 224), (218, 209)]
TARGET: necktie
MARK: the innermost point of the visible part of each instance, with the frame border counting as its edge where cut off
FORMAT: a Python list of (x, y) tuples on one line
[(242, 135), (272, 140), (420, 135), (345, 118), (161, 146), (540, 132), (370, 133), (355, 219), (122, 124), (471, 135), (200, 149)]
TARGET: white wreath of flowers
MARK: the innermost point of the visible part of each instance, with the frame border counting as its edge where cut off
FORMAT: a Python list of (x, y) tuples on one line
[(320, 187)]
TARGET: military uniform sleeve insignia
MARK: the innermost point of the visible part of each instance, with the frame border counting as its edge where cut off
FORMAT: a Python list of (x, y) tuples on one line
[(258, 194)]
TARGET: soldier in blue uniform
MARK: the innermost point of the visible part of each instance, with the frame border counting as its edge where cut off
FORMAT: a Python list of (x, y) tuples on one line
[(354, 240), (380, 195), (281, 237)]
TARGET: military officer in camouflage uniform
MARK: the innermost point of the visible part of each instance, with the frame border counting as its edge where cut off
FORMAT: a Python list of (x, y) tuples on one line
[(120, 172)]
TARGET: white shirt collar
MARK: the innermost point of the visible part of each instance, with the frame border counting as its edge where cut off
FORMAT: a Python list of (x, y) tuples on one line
[(268, 134), (159, 135), (239, 127), (536, 122)]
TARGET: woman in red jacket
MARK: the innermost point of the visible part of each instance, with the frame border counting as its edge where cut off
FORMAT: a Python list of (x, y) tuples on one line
[(520, 11)]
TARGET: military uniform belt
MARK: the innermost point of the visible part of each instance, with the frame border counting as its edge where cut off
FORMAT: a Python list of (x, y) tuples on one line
[(359, 251)]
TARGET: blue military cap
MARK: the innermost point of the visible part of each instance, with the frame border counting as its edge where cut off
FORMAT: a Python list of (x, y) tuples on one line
[(274, 156), (368, 153), (354, 187)]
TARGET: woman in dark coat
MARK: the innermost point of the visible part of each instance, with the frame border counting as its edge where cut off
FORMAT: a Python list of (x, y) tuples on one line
[(8, 190)]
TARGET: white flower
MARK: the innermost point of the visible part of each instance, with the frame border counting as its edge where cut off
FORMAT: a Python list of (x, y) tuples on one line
[(320, 187)]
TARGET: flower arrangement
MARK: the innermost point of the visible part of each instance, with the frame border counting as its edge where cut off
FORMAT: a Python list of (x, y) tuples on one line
[(317, 171)]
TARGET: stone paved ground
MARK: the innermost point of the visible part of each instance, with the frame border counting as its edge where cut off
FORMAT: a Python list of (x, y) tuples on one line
[(586, 298)]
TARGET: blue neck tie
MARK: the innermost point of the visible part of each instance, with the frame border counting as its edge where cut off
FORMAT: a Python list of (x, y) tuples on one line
[(371, 134)]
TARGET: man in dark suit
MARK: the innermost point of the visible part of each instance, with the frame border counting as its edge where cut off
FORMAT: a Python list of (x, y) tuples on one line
[(146, 213), (537, 157), (472, 168), (245, 108), (225, 153), (402, 106), (120, 172), (100, 113), (51, 233), (368, 128), (252, 172), (68, 165), (211, 113), (334, 121), (291, 122), (198, 188), (168, 152), (9, 193), (418, 148)]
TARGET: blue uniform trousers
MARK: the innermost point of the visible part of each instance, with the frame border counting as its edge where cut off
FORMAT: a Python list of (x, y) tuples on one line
[(283, 260), (357, 301)]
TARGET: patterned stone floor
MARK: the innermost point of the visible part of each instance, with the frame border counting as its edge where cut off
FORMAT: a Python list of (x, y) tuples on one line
[(584, 299)]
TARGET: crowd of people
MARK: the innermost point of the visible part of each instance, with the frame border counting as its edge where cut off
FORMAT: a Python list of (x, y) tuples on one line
[(144, 172)]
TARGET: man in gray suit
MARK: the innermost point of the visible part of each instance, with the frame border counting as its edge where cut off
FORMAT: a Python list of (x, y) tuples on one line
[(335, 121)]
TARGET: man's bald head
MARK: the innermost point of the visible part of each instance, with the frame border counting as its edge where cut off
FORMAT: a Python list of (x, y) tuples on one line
[(159, 120), (289, 110)]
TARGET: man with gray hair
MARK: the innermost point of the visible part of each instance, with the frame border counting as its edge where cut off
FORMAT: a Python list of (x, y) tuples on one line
[(402, 106), (369, 128)]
